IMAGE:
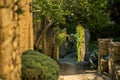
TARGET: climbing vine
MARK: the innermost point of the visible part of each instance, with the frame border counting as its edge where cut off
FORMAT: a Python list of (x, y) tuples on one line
[(80, 41)]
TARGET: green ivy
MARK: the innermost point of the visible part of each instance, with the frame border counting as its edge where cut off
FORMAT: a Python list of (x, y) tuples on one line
[(20, 8), (80, 40), (51, 9)]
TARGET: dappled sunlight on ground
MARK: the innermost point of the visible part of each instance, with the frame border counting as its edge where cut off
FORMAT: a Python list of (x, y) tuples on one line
[(71, 71), (81, 77)]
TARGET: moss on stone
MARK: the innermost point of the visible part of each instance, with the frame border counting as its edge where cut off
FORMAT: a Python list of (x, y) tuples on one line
[(37, 66)]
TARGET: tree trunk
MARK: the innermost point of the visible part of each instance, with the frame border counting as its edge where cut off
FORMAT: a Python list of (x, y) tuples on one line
[(46, 27)]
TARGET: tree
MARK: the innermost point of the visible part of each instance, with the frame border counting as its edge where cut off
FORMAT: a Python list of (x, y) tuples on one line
[(49, 12), (92, 14)]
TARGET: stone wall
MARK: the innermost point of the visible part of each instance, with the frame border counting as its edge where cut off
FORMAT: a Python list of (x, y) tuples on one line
[(114, 60), (25, 23), (15, 37), (103, 54), (109, 58)]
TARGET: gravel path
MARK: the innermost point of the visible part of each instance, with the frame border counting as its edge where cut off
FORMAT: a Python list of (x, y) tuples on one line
[(71, 71)]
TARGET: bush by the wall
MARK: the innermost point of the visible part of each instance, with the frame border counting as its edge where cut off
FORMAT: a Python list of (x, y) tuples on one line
[(37, 66), (60, 35)]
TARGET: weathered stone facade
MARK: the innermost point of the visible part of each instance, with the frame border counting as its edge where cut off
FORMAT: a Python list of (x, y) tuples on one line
[(103, 45), (26, 29), (109, 58), (114, 60), (15, 37)]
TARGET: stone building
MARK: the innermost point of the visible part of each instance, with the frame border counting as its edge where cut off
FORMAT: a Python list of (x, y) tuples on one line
[(16, 36)]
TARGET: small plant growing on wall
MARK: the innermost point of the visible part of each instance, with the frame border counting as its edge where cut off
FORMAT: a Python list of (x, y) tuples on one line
[(19, 9)]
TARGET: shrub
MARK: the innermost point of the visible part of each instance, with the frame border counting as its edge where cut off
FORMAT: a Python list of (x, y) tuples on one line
[(37, 66), (60, 36)]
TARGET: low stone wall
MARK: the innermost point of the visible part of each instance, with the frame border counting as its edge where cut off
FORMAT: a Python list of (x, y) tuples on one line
[(103, 53), (114, 60), (109, 58)]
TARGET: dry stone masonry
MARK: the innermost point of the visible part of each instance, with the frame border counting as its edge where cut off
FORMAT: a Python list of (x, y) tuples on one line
[(109, 58), (9, 57), (15, 36), (114, 60), (26, 29), (103, 45)]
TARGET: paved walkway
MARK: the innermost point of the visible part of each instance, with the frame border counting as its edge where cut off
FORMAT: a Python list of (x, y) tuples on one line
[(71, 71)]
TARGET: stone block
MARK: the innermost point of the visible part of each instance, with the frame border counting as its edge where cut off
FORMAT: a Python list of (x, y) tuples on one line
[(8, 28), (15, 74), (6, 34), (6, 3), (11, 67), (9, 3), (6, 70), (14, 55), (15, 44), (6, 17), (15, 8), (15, 17), (18, 59), (2, 2), (114, 57), (103, 46)]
